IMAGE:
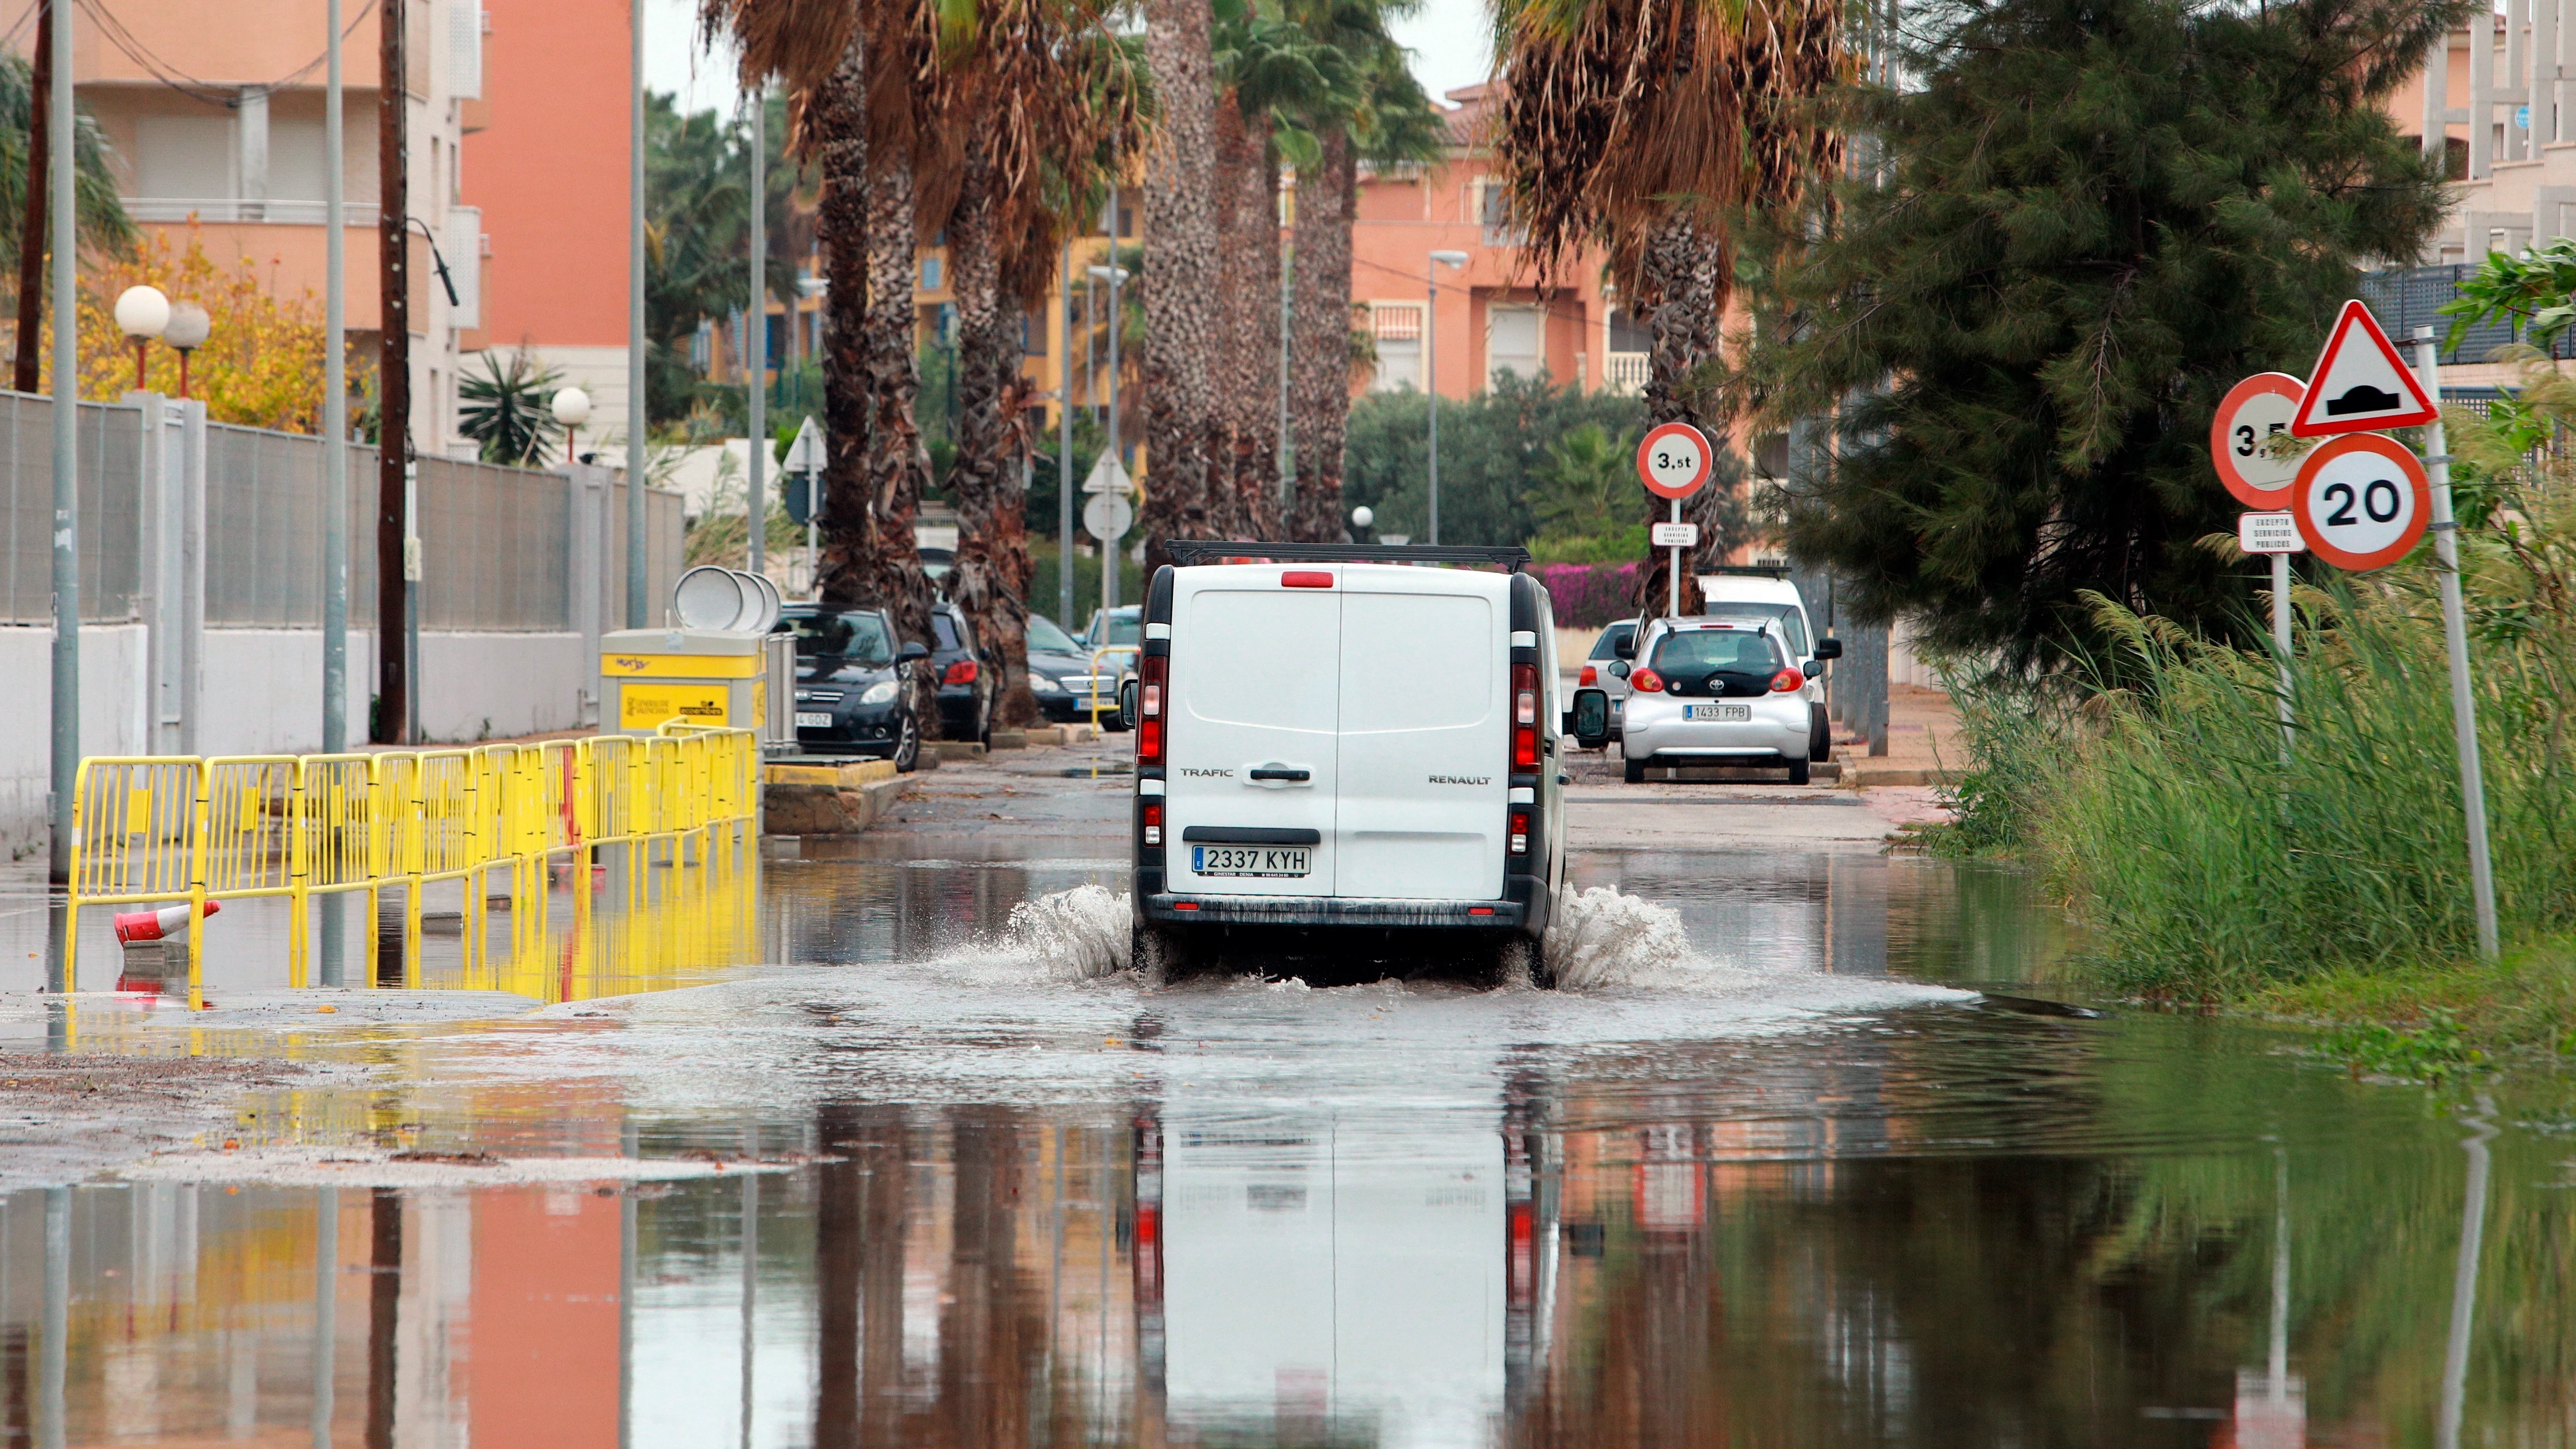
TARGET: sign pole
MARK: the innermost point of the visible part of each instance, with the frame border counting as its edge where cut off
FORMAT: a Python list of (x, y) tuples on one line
[(2455, 637), (2281, 643), (1673, 583)]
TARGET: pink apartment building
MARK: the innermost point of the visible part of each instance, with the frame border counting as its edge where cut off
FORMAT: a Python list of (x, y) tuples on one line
[(516, 171)]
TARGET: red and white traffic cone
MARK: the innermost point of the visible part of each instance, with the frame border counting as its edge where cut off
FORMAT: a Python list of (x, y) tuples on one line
[(133, 928)]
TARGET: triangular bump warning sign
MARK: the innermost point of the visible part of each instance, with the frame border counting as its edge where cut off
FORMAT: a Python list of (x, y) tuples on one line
[(2360, 384)]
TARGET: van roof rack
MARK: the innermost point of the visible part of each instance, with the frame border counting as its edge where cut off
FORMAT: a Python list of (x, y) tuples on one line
[(1754, 570), (1187, 552)]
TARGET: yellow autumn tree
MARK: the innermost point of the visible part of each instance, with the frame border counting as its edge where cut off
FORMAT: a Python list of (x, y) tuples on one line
[(261, 364)]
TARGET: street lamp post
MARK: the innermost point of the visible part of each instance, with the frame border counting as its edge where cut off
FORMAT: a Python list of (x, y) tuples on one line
[(1361, 518), (1430, 379), (756, 517), (142, 314), (571, 408), (188, 330), (1113, 275)]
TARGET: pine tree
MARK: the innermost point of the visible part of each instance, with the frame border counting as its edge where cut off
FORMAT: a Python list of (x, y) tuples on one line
[(2071, 230)]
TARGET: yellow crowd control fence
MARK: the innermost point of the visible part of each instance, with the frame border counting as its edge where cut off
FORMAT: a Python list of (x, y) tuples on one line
[(159, 830)]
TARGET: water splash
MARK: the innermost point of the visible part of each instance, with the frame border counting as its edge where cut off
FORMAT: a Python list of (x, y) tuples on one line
[(1075, 935), (1606, 938)]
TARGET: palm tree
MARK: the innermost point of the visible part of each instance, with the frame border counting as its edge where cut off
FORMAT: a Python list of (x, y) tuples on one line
[(1382, 117), (1645, 125), (866, 77), (509, 412), (1183, 326), (1058, 106)]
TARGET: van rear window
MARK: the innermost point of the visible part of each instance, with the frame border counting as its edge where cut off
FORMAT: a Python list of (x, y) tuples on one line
[(1792, 625)]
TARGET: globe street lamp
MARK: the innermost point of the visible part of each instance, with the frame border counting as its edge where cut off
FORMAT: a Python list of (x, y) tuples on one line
[(572, 409), (1361, 518), (1430, 380), (189, 327), (142, 313)]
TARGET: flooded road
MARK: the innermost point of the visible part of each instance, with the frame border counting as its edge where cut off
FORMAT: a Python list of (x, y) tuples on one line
[(1812, 1159)]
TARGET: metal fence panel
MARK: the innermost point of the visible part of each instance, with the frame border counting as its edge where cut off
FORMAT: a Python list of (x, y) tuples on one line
[(111, 510), (495, 545), (2405, 298)]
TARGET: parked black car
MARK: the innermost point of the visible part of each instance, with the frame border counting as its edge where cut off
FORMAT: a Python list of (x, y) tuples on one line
[(969, 675), (850, 698)]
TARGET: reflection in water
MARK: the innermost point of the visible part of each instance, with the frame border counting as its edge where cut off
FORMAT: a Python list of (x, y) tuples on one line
[(1016, 1211)]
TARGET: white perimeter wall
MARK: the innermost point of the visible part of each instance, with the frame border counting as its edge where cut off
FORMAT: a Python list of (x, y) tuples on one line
[(263, 695)]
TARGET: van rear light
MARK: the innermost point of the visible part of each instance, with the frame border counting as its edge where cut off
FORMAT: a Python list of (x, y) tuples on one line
[(1589, 677), (1646, 681), (1524, 716), (1787, 680), (1153, 824), (1149, 709), (961, 672), (1520, 832), (1306, 579)]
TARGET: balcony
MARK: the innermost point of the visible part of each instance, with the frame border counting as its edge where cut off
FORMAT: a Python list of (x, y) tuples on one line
[(231, 209), (1625, 373)]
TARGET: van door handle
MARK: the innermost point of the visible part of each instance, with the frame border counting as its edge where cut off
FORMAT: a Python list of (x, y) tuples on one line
[(1281, 772)]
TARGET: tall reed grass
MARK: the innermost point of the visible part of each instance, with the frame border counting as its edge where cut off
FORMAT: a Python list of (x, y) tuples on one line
[(2206, 861)]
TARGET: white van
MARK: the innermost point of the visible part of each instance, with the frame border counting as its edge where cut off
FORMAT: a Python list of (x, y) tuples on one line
[(1330, 740), (1763, 591)]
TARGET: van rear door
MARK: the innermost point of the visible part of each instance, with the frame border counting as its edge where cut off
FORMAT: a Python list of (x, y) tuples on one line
[(1251, 757), (1424, 683)]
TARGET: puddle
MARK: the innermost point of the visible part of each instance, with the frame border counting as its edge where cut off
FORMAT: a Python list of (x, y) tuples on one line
[(898, 1152)]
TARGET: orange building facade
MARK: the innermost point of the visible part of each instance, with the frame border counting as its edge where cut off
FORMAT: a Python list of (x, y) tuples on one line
[(516, 167)]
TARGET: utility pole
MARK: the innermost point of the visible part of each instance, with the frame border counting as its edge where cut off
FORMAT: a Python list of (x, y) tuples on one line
[(637, 419), (66, 657), (335, 415), (31, 253), (757, 324), (393, 373), (1064, 448)]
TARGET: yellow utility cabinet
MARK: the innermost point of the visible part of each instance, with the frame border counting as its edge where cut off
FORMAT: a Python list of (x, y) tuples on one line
[(716, 677)]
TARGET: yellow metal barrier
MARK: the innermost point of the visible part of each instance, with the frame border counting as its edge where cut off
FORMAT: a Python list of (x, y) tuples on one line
[(163, 829)]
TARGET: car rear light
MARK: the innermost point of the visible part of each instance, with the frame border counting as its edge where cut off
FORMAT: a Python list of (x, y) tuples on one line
[(1153, 824), (1787, 680), (1149, 710), (961, 672), (1524, 716), (1589, 678), (1520, 832), (1646, 681), (1306, 579)]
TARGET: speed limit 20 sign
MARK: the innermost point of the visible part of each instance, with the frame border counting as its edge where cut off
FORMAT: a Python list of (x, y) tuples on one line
[(2361, 501), (1674, 460)]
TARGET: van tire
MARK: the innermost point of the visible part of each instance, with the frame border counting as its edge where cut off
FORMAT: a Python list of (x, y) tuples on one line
[(1155, 952), (1635, 772), (1820, 734), (1799, 771)]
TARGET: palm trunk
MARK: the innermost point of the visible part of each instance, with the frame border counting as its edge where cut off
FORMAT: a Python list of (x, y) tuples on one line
[(847, 528), (990, 580), (1252, 323), (1181, 310), (1320, 375), (897, 465), (1685, 286)]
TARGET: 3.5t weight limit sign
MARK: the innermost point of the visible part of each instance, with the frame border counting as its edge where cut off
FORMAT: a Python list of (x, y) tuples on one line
[(2361, 501), (2244, 438), (1674, 460)]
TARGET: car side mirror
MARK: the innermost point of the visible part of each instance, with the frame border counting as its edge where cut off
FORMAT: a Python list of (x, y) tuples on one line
[(1625, 648), (1619, 667), (1591, 718), (909, 653), (1829, 648)]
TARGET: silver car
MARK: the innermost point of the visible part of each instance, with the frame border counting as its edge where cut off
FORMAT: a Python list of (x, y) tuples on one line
[(1715, 691)]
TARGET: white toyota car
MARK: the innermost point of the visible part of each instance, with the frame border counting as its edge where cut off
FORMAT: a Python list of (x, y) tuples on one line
[(1715, 691)]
